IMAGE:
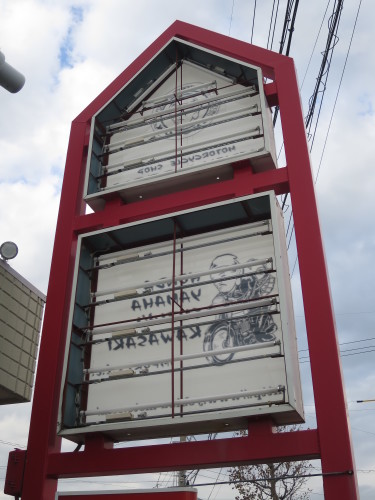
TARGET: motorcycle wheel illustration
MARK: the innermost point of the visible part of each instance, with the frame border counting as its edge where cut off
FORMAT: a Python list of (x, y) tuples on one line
[(219, 336)]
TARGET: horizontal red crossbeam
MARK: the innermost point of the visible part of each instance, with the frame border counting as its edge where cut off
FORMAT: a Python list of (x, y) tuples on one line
[(259, 448), (243, 183)]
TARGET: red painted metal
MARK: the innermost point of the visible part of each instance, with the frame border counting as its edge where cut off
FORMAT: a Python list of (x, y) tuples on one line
[(181, 325), (150, 495), (331, 440), (256, 448), (42, 436), (270, 90), (14, 477), (330, 402), (172, 315), (243, 183)]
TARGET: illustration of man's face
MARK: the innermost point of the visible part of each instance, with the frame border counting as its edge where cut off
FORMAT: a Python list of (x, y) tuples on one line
[(228, 278)]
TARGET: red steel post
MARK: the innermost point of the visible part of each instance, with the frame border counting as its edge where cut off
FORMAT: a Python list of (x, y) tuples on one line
[(330, 402), (43, 438)]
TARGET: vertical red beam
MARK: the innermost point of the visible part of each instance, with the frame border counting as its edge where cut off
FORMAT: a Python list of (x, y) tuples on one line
[(181, 326), (175, 117), (172, 320), (331, 410), (43, 439)]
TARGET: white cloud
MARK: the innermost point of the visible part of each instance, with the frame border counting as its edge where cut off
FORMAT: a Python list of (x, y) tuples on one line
[(31, 212)]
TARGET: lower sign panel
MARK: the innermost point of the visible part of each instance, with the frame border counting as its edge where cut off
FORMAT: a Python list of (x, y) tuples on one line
[(183, 330)]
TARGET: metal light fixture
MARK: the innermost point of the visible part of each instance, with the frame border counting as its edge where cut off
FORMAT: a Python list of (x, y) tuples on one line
[(279, 389), (11, 79), (8, 250)]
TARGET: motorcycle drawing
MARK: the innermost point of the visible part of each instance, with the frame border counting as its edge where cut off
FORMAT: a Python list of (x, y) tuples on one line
[(239, 328)]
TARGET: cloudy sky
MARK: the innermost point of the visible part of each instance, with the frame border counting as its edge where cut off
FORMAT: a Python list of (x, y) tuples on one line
[(70, 51)]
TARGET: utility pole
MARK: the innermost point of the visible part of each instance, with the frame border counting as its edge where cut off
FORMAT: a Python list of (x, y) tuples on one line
[(181, 475)]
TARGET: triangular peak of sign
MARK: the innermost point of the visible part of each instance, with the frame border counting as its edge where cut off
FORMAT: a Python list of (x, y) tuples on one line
[(230, 47), (179, 31)]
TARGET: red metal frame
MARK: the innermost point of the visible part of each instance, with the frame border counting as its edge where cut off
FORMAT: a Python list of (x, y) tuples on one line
[(136, 495), (15, 471), (331, 440)]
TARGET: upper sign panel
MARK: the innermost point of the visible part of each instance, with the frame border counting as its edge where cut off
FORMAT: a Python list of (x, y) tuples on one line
[(188, 125)]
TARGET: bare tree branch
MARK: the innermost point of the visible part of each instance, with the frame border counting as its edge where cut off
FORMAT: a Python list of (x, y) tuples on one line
[(271, 481)]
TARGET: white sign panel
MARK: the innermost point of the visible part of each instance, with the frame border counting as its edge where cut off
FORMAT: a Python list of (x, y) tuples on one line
[(194, 329), (190, 126), (220, 293), (212, 120)]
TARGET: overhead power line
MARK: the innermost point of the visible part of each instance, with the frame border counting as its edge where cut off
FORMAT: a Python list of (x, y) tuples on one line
[(367, 347), (325, 65), (303, 81), (272, 21), (231, 17), (338, 90), (322, 91), (252, 29), (346, 343), (289, 17), (14, 445), (327, 56), (343, 354), (281, 478), (291, 29), (315, 44), (332, 114)]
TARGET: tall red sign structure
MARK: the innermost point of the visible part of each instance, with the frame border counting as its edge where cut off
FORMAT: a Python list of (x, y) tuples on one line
[(118, 206)]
